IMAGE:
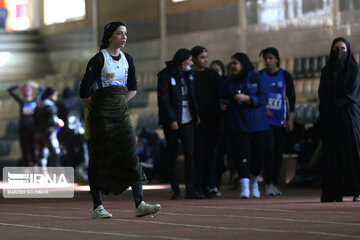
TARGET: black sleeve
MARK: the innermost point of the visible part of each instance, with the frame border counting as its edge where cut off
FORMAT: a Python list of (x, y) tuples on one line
[(93, 71), (131, 81), (290, 90), (163, 92), (11, 91)]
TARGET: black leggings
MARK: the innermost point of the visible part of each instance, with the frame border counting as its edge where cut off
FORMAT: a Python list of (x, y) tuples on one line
[(274, 152), (248, 150), (137, 191)]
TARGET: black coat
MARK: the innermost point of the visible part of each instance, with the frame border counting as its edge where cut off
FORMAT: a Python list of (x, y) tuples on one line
[(339, 120), (170, 95), (207, 85)]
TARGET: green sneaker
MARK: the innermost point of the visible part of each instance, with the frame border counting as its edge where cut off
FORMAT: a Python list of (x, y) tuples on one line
[(146, 209), (101, 213)]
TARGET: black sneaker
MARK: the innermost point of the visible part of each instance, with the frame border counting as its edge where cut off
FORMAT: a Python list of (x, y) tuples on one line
[(214, 192), (194, 195)]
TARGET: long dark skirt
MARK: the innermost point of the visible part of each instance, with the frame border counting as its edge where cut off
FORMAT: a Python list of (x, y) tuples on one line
[(114, 163)]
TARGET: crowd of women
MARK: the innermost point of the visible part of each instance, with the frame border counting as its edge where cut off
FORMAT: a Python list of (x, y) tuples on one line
[(245, 115), (242, 114)]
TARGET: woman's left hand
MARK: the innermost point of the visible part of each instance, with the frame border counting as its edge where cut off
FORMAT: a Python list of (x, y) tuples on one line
[(197, 120), (289, 125), (290, 122)]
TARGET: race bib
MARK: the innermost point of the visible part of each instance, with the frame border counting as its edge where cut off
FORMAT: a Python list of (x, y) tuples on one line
[(274, 103)]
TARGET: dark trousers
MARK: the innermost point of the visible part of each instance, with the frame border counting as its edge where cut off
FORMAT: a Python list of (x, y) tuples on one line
[(205, 165), (274, 154), (50, 141), (27, 145), (248, 150), (185, 133)]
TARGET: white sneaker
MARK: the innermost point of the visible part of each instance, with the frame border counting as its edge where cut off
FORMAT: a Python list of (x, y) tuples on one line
[(145, 209), (269, 190), (277, 192), (101, 213), (218, 194), (244, 185), (254, 187), (254, 190)]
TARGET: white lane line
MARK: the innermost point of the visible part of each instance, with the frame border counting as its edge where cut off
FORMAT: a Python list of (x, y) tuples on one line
[(43, 215), (91, 232), (316, 202), (246, 229), (189, 225), (264, 218), (255, 209)]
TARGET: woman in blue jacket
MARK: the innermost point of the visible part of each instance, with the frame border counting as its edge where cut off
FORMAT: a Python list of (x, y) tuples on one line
[(244, 99)]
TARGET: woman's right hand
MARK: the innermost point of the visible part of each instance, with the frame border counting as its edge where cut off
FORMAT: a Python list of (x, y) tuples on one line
[(174, 126), (223, 106), (87, 102), (239, 97)]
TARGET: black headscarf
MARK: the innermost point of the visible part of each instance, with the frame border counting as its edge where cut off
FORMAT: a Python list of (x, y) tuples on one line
[(247, 65), (48, 92), (181, 55), (343, 68), (273, 51), (339, 78), (109, 29)]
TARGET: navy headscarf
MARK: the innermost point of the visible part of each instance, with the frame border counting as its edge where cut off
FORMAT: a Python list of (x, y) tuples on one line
[(247, 65)]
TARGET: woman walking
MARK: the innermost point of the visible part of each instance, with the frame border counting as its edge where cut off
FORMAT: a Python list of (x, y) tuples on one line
[(109, 83), (281, 117)]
